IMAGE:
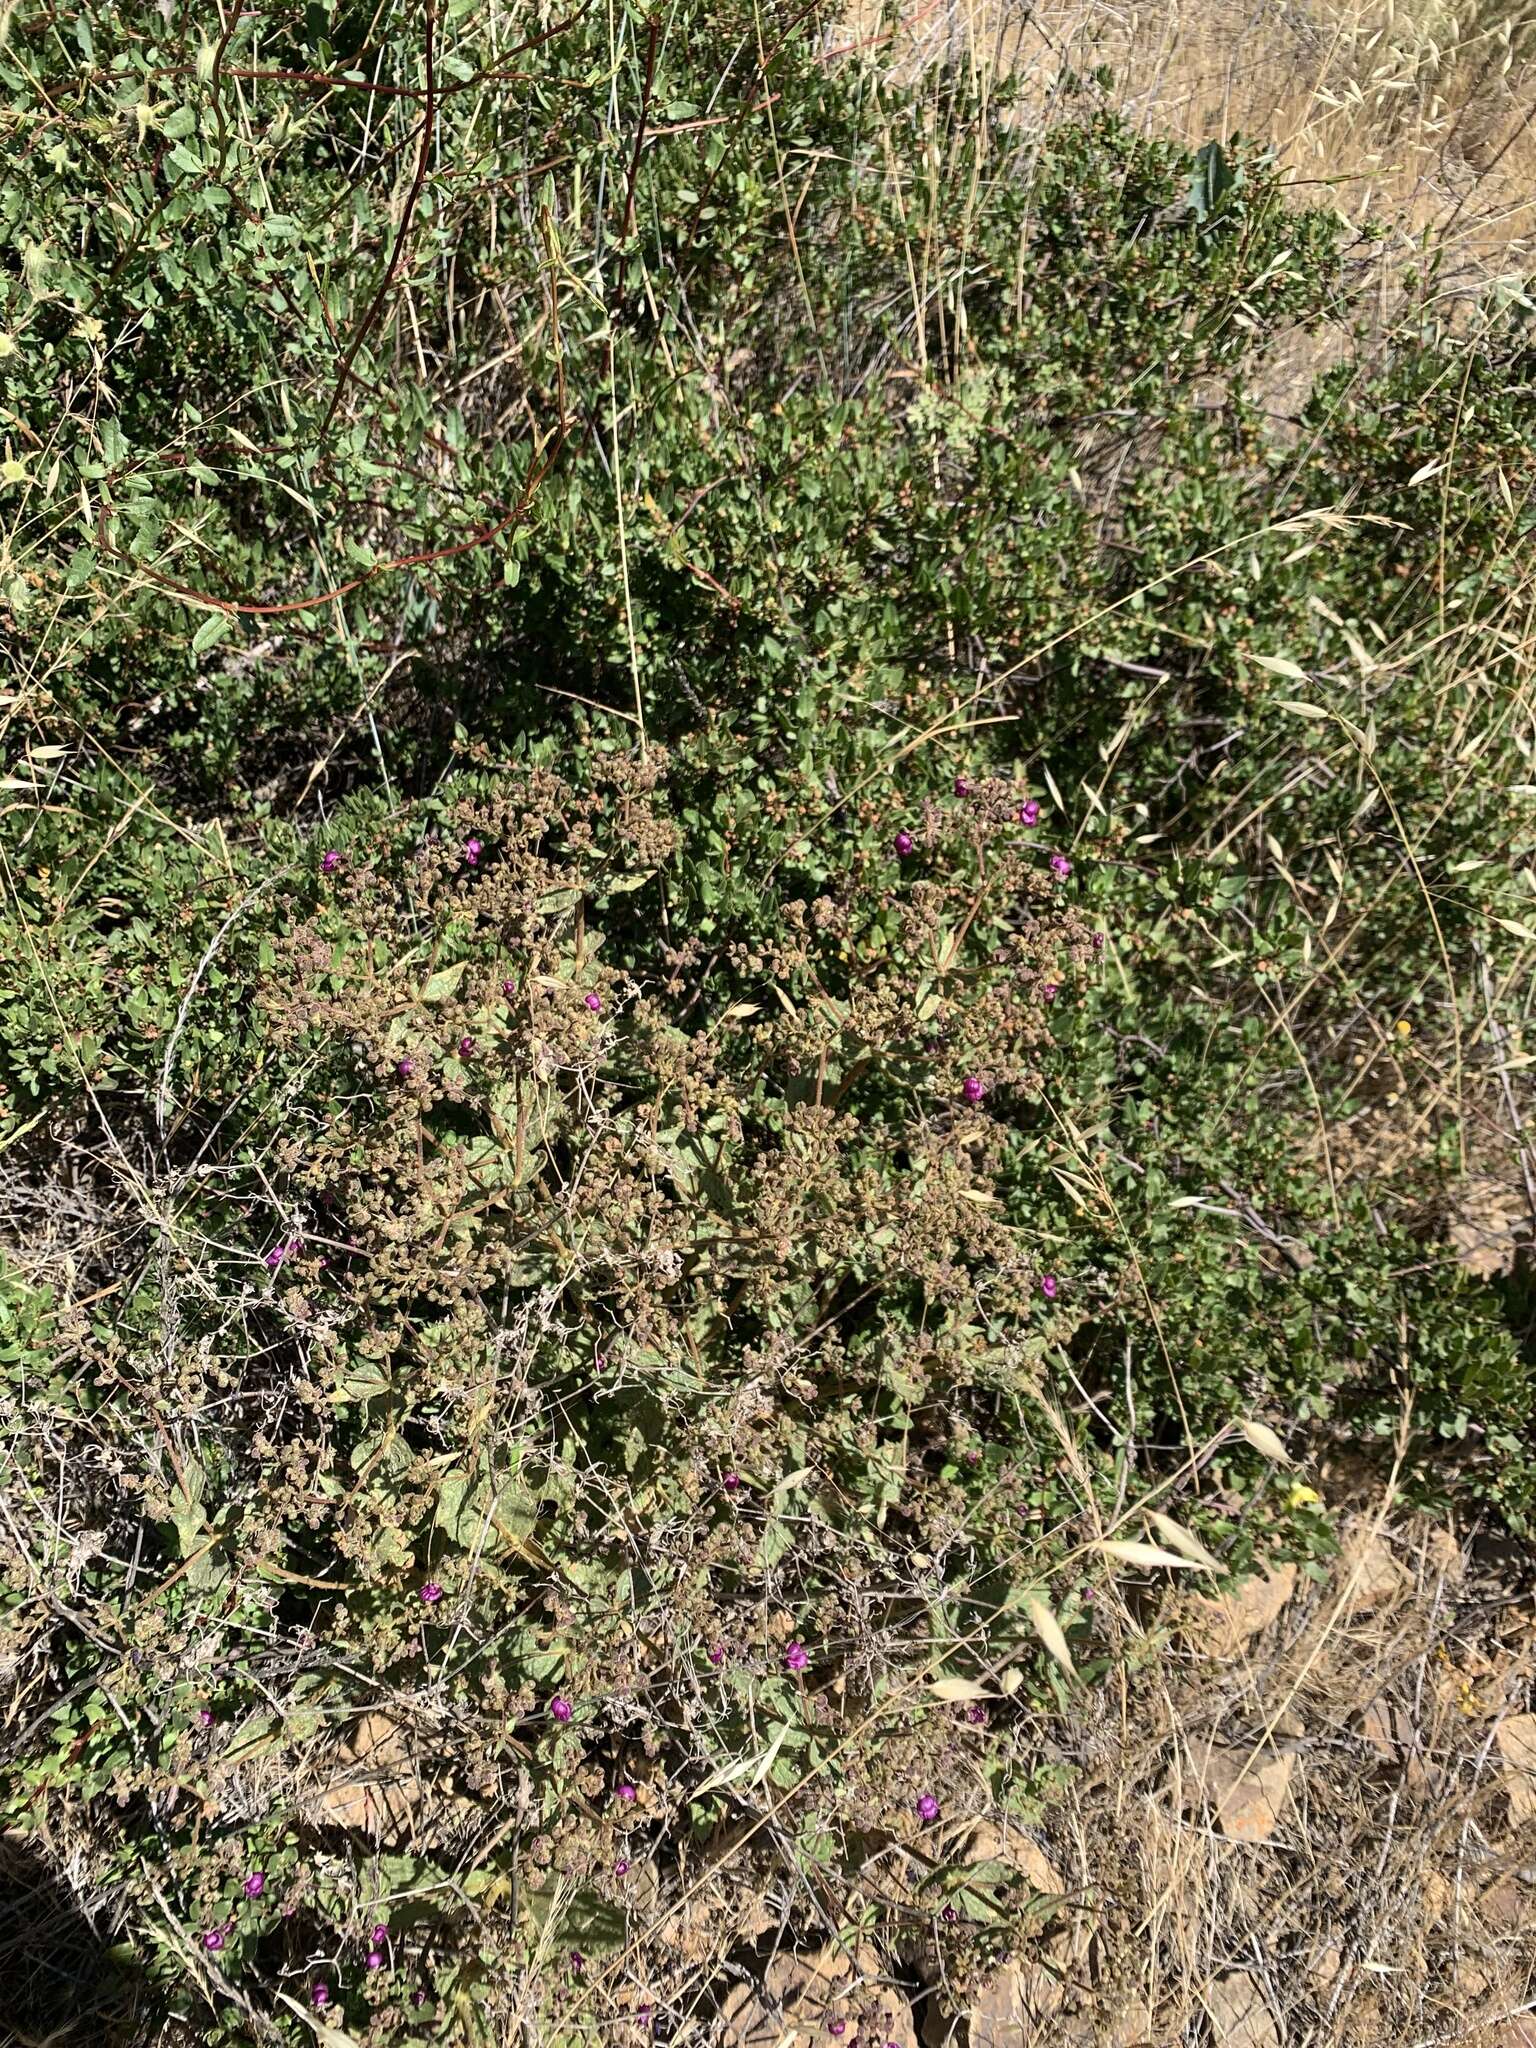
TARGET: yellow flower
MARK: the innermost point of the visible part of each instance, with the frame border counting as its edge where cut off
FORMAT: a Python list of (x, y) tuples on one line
[(1303, 1496), (1403, 1028)]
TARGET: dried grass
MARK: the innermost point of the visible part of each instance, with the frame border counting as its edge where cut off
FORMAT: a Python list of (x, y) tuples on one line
[(1417, 115), (1392, 1899)]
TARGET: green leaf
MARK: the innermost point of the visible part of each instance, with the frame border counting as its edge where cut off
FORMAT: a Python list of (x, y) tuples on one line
[(592, 1924), (441, 985), (1213, 179), (82, 566), (214, 628)]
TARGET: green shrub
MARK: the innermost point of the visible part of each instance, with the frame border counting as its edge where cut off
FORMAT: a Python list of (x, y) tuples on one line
[(543, 1089)]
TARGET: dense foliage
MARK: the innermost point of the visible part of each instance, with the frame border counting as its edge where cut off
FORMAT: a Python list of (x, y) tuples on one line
[(738, 905)]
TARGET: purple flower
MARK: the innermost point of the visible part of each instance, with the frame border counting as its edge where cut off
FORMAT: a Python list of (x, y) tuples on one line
[(1048, 1286), (377, 1936), (620, 1867), (977, 1715), (838, 2027), (560, 1709), (594, 1002), (418, 1998), (949, 1915), (405, 1068), (1098, 942), (716, 1654), (973, 1088), (466, 1046), (1060, 866), (927, 1807), (213, 1940), (472, 850), (626, 1793), (796, 1657), (731, 1481), (205, 1717), (1049, 991), (962, 787), (375, 1960), (1029, 813), (509, 988), (255, 1884), (276, 1256), (320, 1994), (431, 1592), (329, 863), (903, 842), (578, 1961)]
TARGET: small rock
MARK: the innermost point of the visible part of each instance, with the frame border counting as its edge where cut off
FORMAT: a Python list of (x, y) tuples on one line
[(1240, 2014), (1442, 1556), (377, 1790), (1474, 1982), (1516, 1739), (1385, 1729), (1502, 1907), (986, 1844), (1325, 1967), (1247, 1792), (1490, 1221), (1392, 1735), (1012, 2005), (801, 1995), (1221, 1627), (754, 1916), (1438, 1897), (1128, 2026), (1369, 1576)]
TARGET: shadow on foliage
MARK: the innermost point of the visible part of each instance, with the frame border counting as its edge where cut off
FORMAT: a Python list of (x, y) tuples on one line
[(58, 1983)]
